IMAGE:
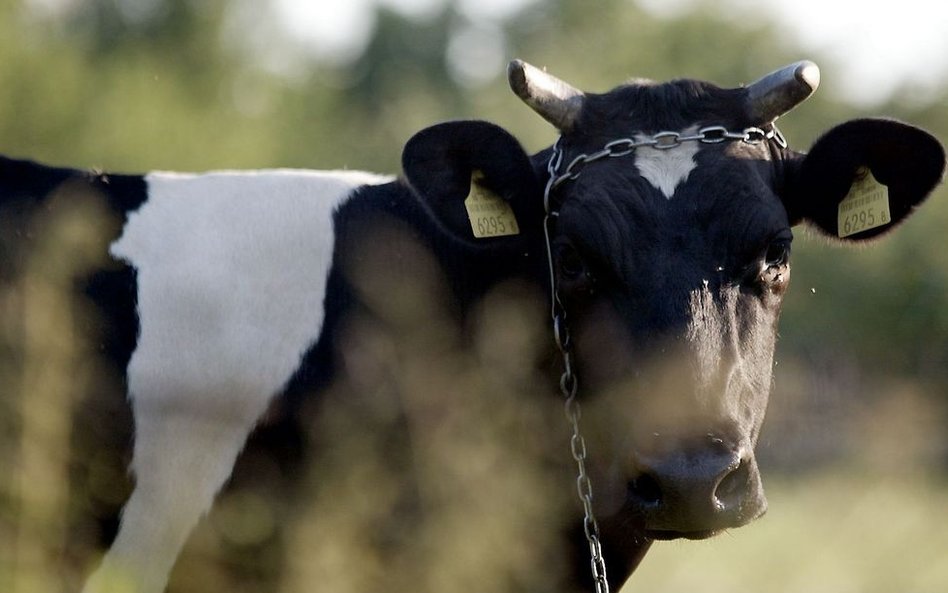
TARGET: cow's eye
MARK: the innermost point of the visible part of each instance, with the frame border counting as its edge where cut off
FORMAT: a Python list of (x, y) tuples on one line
[(573, 274), (775, 272), (571, 264), (778, 254)]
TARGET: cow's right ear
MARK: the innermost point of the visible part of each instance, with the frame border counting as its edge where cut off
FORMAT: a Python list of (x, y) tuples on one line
[(476, 180)]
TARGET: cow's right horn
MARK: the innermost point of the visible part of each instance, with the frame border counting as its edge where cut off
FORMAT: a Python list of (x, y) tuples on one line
[(556, 101)]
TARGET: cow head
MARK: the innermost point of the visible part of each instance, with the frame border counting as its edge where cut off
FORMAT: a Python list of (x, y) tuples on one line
[(672, 207)]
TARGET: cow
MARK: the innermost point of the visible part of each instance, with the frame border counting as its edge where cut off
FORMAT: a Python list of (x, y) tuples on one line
[(658, 226)]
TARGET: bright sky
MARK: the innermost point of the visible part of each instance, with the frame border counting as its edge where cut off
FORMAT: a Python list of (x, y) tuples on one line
[(874, 46)]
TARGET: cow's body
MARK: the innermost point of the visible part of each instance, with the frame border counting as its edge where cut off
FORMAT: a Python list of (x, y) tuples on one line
[(221, 303), (212, 314), (228, 291)]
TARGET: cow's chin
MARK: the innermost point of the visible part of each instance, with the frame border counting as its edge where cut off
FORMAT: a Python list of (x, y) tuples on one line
[(670, 534), (664, 535), (628, 528), (624, 545), (626, 540)]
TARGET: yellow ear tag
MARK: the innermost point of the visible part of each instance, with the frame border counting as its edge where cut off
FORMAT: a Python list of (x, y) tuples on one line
[(865, 207), (490, 215)]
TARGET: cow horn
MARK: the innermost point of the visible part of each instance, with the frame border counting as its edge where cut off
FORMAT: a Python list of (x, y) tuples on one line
[(781, 90), (556, 101)]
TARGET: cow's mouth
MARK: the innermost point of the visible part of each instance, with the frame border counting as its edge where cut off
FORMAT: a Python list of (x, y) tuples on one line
[(664, 535)]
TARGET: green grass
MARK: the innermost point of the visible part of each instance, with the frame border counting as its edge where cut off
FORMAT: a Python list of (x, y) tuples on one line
[(836, 532)]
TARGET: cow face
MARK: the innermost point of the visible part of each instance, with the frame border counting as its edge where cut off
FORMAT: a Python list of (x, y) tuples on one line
[(671, 245)]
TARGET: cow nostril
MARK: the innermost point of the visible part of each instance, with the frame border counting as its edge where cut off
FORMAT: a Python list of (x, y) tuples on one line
[(646, 491), (730, 492)]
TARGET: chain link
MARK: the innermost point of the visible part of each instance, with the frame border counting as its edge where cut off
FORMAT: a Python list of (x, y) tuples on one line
[(569, 387)]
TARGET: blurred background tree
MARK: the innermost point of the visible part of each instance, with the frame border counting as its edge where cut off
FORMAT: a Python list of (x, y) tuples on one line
[(136, 85)]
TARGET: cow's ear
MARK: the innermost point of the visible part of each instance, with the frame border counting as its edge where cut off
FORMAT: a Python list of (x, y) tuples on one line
[(863, 177), (476, 180)]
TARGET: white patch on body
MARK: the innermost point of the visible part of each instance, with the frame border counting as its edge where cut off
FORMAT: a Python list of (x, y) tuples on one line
[(666, 169), (232, 271)]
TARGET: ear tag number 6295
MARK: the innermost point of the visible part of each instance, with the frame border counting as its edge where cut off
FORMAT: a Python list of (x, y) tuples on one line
[(865, 207), (490, 214)]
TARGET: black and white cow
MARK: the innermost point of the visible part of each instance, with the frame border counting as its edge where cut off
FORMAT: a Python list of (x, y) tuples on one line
[(670, 238)]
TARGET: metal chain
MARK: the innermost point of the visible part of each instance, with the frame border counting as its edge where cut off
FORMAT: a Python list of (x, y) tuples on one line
[(569, 386), (660, 141), (569, 383)]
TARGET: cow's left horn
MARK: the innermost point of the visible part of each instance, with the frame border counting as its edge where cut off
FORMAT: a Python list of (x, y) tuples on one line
[(781, 90), (556, 101)]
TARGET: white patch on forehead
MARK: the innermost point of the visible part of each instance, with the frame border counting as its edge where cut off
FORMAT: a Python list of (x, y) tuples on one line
[(666, 169), (232, 270)]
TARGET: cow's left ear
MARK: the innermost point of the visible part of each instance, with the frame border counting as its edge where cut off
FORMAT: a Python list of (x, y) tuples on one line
[(831, 186), (476, 179)]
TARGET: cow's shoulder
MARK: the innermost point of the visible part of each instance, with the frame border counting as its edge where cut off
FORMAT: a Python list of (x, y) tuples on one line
[(232, 270)]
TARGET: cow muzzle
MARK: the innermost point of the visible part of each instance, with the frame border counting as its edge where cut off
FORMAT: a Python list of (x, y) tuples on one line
[(695, 491)]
